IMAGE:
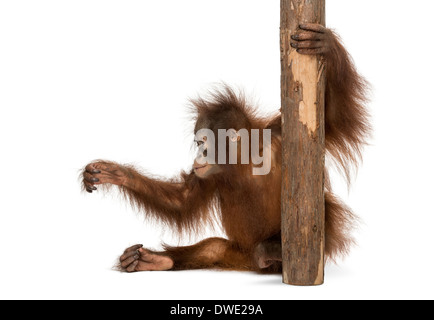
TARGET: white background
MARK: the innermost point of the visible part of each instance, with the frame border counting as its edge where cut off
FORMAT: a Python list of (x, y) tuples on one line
[(81, 80)]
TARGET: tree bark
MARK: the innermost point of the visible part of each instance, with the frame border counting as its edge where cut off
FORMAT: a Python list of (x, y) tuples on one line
[(303, 144)]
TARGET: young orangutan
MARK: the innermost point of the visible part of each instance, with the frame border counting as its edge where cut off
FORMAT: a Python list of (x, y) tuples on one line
[(248, 205)]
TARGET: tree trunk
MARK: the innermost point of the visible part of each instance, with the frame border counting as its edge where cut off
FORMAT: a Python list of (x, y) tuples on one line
[(303, 138)]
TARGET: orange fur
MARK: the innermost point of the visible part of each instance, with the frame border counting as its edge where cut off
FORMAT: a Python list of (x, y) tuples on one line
[(250, 206)]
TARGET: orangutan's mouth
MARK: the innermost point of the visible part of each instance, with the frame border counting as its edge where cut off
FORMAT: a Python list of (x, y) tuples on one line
[(200, 167)]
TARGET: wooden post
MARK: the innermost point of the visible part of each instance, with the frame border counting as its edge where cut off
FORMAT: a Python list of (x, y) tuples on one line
[(303, 92)]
